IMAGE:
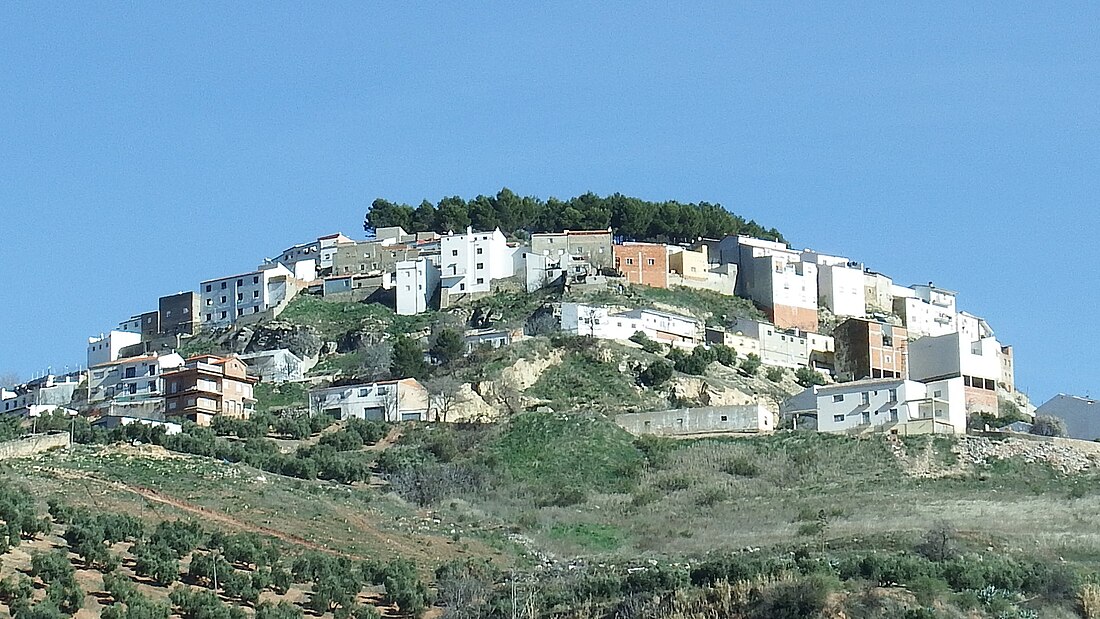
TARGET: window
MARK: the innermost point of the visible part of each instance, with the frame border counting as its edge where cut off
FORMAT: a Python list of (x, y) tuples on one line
[(224, 314), (173, 387), (479, 251), (481, 280), (480, 265), (630, 261), (255, 294), (223, 298), (383, 390), (865, 398), (651, 262), (838, 397), (364, 392), (893, 414), (893, 395), (838, 418), (172, 405), (209, 317), (865, 418), (240, 311), (223, 285), (725, 418), (240, 282), (937, 394), (462, 286), (454, 252), (240, 296), (208, 287), (152, 385)]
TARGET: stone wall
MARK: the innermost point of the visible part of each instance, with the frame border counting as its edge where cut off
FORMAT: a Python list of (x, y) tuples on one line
[(35, 443)]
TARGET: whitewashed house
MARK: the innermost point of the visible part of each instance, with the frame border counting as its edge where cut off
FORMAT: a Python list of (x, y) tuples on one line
[(276, 366), (106, 347), (926, 309), (977, 364), (416, 283), (131, 379), (883, 405), (606, 323), (469, 262), (389, 400)]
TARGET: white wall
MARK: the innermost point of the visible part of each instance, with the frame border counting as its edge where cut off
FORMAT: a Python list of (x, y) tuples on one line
[(417, 282), (222, 301), (850, 406), (841, 289), (470, 262), (104, 349), (600, 322), (923, 318)]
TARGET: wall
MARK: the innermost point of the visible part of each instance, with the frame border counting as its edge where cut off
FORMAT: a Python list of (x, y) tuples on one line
[(883, 403), (842, 290), (28, 446), (876, 291), (685, 421), (179, 313), (643, 263)]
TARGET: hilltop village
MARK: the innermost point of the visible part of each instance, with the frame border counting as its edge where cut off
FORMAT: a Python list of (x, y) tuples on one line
[(846, 348)]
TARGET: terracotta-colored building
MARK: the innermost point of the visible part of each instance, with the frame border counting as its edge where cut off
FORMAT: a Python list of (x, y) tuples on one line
[(643, 263), (207, 386), (870, 349)]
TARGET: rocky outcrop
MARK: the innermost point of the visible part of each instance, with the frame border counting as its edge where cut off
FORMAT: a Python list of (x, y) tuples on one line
[(526, 372), (359, 339), (300, 340)]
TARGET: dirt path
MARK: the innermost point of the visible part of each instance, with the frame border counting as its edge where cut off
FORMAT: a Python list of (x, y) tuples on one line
[(387, 441)]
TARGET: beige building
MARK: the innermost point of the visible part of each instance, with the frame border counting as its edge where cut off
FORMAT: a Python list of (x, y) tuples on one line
[(370, 258), (207, 386)]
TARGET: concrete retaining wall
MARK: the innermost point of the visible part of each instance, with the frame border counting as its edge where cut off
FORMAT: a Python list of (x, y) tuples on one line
[(701, 420), (30, 445)]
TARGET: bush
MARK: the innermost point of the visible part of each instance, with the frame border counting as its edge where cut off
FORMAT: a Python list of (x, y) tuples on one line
[(647, 344), (282, 610), (797, 599), (1048, 425), (158, 562), (940, 543), (725, 355), (750, 364), (655, 374), (775, 374), (808, 377)]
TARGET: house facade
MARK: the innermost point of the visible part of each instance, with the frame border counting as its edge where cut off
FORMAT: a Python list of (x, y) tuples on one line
[(977, 364), (327, 246), (746, 418), (870, 349), (41, 394), (469, 262), (416, 284), (207, 386), (841, 289), (226, 299), (884, 405), (590, 246), (131, 379), (371, 257), (390, 400), (107, 348), (643, 263), (605, 323), (276, 366), (787, 348), (926, 310), (180, 313)]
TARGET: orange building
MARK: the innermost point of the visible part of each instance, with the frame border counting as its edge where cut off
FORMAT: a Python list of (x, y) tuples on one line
[(643, 263), (208, 385)]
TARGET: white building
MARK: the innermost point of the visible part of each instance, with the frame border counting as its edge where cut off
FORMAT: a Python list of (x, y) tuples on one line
[(841, 288), (226, 299), (417, 282), (390, 400), (41, 394), (131, 379), (785, 348), (276, 366), (606, 323), (978, 364), (926, 309), (884, 405), (470, 262), (105, 348), (776, 279)]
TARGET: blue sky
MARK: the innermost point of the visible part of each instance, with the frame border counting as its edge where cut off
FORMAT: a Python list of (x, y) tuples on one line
[(147, 146)]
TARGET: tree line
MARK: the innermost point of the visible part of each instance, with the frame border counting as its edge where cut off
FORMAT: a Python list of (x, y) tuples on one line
[(631, 218)]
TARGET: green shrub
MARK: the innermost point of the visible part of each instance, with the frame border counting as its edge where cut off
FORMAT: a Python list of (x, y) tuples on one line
[(775, 374), (797, 599), (750, 364), (655, 374)]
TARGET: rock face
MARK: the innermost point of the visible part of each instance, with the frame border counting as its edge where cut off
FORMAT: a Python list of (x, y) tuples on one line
[(707, 394), (300, 340), (526, 372), (357, 340), (980, 450)]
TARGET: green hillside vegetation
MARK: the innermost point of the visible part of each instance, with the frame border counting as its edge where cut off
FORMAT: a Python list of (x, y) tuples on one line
[(630, 217)]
